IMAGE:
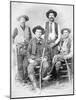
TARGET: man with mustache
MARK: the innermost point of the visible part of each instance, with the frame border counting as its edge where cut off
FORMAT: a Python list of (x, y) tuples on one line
[(21, 38), (52, 33)]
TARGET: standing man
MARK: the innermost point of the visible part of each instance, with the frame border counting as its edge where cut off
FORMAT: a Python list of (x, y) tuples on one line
[(21, 38), (52, 32)]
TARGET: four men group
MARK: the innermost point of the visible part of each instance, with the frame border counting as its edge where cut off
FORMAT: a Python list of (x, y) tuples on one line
[(31, 51)]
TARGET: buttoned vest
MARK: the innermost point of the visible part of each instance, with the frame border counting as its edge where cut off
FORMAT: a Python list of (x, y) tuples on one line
[(22, 35)]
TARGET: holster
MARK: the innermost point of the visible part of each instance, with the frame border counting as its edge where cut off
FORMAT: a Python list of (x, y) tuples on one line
[(22, 49)]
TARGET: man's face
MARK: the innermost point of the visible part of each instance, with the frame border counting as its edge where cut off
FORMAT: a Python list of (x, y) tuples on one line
[(65, 34), (51, 17), (38, 33), (22, 21)]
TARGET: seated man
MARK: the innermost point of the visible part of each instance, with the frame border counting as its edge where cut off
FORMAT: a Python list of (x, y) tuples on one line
[(35, 53), (65, 47), (65, 50)]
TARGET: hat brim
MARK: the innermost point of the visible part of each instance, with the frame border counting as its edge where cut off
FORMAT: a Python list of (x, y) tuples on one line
[(38, 27), (65, 29), (23, 16), (51, 11)]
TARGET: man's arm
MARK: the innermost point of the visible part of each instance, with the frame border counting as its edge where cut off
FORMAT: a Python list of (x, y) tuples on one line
[(70, 54), (59, 35), (30, 35), (29, 53), (15, 33), (29, 49), (45, 28)]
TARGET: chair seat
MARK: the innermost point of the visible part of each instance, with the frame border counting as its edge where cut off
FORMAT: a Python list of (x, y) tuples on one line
[(37, 66), (63, 71), (64, 76)]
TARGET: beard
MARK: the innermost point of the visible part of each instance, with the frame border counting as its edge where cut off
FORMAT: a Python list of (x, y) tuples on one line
[(51, 19)]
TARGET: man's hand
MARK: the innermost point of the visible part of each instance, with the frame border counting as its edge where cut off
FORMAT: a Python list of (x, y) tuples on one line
[(66, 57), (44, 59), (33, 57), (59, 48), (31, 61), (52, 45), (14, 48)]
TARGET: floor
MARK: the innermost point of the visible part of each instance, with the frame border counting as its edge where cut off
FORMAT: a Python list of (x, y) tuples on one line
[(21, 90)]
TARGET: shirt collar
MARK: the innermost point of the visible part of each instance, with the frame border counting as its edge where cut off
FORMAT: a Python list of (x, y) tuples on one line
[(37, 38), (66, 39), (23, 28)]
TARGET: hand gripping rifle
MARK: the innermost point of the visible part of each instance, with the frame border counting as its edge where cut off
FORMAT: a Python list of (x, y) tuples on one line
[(45, 45)]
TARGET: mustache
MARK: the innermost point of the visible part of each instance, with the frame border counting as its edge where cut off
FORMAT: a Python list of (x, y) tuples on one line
[(51, 18)]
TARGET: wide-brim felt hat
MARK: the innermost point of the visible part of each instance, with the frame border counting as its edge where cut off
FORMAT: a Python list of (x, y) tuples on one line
[(38, 27), (65, 29), (51, 11), (24, 16)]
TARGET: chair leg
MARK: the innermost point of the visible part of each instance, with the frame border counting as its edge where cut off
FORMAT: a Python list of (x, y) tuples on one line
[(69, 73), (68, 70)]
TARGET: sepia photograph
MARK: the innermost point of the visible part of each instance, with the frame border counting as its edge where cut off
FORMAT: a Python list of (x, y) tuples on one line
[(41, 49)]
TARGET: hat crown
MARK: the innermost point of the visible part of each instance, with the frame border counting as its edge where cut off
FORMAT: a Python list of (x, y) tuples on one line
[(38, 27), (65, 29), (23, 16), (51, 11)]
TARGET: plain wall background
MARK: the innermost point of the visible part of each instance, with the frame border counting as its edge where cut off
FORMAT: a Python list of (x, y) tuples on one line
[(37, 14)]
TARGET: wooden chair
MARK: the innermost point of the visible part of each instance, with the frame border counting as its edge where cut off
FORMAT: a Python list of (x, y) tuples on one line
[(64, 70)]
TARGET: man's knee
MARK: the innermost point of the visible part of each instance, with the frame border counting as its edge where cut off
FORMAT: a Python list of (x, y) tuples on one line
[(57, 65), (25, 63), (45, 64), (20, 67), (54, 59), (30, 69)]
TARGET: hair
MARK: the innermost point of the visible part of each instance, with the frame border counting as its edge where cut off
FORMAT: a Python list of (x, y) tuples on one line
[(65, 29), (51, 11), (38, 27)]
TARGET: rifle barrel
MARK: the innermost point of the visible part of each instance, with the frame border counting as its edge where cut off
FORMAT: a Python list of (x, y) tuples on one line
[(41, 67)]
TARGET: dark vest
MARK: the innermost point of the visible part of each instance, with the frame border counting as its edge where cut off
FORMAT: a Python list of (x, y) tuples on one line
[(47, 30), (37, 47)]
